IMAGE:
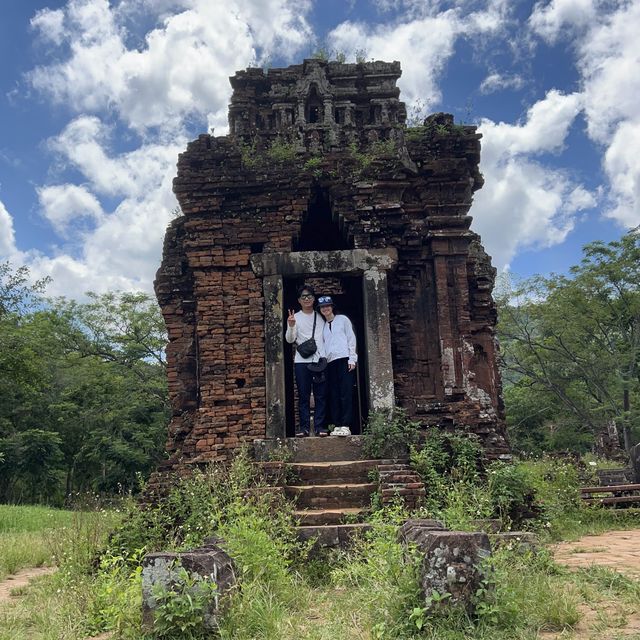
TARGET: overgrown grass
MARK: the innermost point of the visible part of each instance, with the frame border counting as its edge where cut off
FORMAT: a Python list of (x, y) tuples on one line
[(22, 543), (55, 606), (24, 518), (370, 592), (588, 521)]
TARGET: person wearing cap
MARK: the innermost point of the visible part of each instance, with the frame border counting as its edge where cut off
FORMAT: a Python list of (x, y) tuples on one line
[(302, 326), (340, 348)]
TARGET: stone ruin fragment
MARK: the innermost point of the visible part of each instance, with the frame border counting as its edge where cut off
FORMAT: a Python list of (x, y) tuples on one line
[(320, 180)]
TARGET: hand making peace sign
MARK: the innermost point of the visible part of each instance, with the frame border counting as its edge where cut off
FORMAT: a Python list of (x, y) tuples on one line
[(292, 318)]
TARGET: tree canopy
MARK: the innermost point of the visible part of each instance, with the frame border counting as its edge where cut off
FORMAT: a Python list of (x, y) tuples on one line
[(571, 348), (83, 400)]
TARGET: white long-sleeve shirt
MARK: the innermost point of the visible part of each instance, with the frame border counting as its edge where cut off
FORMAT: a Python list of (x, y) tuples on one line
[(301, 331), (340, 340)]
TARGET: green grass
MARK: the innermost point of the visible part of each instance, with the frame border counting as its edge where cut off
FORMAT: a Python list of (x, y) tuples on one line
[(24, 534), (32, 536), (58, 606), (368, 593), (19, 519), (586, 521)]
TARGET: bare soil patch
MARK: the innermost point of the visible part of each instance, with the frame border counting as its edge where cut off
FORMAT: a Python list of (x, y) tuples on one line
[(21, 579), (617, 550), (604, 619)]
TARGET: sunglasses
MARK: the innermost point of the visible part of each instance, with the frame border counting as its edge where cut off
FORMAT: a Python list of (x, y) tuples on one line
[(307, 296)]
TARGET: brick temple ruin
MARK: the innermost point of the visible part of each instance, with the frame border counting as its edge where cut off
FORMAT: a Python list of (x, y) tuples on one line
[(319, 180)]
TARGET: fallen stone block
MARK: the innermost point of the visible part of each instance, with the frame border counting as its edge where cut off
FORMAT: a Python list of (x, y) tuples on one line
[(209, 562), (451, 564), (413, 530)]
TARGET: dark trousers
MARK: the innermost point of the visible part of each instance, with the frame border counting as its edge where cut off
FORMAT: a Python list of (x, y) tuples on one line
[(341, 392), (305, 384)]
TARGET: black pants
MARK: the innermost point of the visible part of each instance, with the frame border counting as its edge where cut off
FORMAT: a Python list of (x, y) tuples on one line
[(305, 383), (340, 392)]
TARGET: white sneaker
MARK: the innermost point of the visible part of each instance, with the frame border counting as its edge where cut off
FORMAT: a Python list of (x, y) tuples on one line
[(341, 431)]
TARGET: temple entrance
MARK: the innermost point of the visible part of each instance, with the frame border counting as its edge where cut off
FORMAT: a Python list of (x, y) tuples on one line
[(361, 275), (346, 291)]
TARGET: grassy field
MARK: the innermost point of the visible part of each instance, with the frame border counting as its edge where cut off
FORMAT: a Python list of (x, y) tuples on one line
[(52, 607), (24, 536), (368, 593)]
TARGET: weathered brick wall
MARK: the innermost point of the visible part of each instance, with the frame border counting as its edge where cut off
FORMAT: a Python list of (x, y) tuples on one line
[(411, 195)]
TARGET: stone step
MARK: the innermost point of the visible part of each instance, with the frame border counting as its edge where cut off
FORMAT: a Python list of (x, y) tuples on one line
[(331, 496), (312, 449), (336, 472), (337, 535), (318, 517)]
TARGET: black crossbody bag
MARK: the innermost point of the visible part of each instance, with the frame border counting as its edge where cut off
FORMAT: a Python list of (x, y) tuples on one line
[(307, 348)]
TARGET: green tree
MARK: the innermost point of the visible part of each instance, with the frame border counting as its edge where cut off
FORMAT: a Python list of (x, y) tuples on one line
[(83, 397), (577, 338)]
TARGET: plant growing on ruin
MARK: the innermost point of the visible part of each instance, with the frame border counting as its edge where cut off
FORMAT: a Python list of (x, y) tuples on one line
[(388, 432), (181, 610), (249, 155), (314, 166), (282, 152), (321, 53), (364, 158)]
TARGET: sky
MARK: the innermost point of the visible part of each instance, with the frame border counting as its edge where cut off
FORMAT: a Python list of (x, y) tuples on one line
[(98, 98)]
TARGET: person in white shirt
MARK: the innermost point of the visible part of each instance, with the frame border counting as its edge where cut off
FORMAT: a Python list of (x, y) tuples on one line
[(340, 347), (300, 327)]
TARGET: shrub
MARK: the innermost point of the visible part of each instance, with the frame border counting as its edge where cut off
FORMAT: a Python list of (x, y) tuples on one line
[(194, 508), (116, 604), (314, 166), (383, 576), (510, 490), (180, 612), (449, 465), (386, 433), (282, 152)]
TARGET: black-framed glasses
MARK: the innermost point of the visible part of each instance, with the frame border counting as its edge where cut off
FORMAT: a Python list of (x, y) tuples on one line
[(307, 296)]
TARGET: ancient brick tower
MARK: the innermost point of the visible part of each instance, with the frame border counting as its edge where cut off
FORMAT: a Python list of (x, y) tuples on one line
[(320, 180)]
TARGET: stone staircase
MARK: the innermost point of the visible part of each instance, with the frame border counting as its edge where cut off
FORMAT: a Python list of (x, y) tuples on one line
[(329, 482)]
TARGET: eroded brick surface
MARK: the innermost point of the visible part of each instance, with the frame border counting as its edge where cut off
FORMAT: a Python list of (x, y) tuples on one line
[(340, 133)]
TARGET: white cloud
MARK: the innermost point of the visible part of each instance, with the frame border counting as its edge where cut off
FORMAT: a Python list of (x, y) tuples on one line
[(545, 130), (496, 82), (181, 65), (122, 249), (152, 83), (608, 59), (558, 17), (8, 248), (65, 203), (84, 143), (622, 165), (50, 24), (525, 205), (424, 44)]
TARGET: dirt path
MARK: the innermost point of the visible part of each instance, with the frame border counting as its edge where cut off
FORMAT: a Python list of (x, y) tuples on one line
[(603, 619), (21, 579), (618, 550)]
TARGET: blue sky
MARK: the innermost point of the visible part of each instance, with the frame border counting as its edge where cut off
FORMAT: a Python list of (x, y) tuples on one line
[(97, 99)]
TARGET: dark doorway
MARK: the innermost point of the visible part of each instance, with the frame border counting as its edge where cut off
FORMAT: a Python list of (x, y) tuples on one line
[(320, 232), (347, 294)]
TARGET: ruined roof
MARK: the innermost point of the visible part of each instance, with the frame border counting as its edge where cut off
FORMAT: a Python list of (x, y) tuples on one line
[(318, 103)]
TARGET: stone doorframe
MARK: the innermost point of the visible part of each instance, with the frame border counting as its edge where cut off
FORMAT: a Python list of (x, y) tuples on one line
[(372, 265)]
